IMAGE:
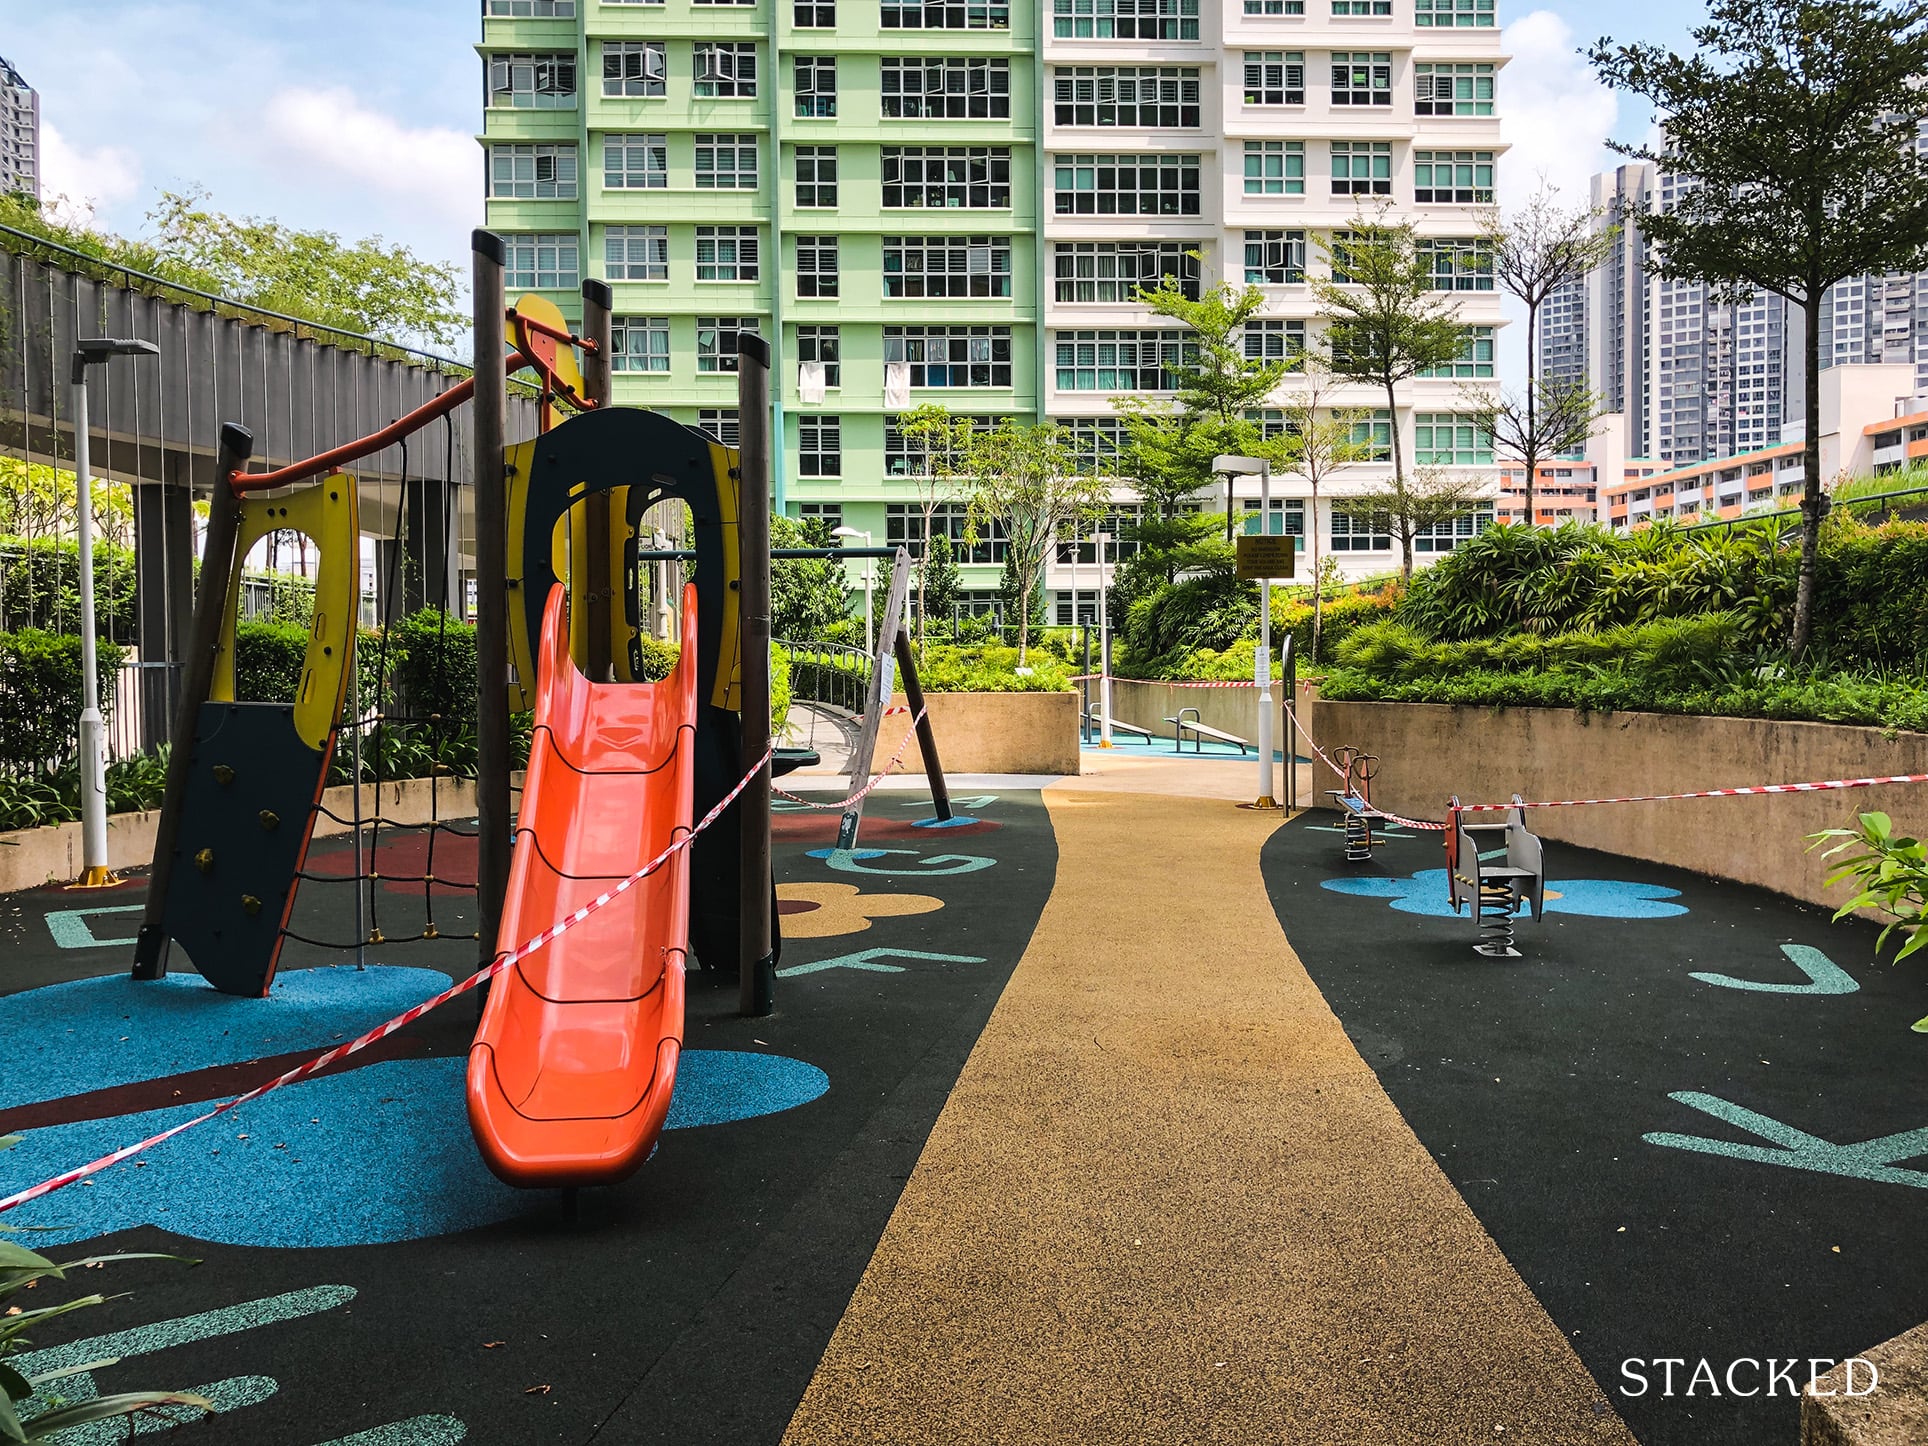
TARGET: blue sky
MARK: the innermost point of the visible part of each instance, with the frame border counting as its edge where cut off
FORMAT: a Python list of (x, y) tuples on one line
[(358, 115)]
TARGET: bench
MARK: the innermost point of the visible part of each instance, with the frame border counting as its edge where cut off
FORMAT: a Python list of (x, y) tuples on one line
[(1181, 725), (1093, 719)]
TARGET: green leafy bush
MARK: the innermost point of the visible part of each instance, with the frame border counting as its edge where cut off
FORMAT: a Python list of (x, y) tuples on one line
[(432, 669), (40, 586), (267, 661), (1892, 870), (991, 668), (40, 697)]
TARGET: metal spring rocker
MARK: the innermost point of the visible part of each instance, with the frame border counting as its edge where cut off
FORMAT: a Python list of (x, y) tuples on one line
[(1355, 801), (1496, 890)]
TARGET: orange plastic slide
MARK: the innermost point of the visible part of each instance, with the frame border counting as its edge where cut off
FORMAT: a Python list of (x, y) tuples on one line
[(572, 1068)]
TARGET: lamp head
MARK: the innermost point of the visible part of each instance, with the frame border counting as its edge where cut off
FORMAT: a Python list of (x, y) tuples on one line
[(93, 350)]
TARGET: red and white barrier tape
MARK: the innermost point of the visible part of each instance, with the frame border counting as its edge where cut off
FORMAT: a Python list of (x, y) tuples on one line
[(843, 803), (402, 1020), (1370, 810), (1820, 786)]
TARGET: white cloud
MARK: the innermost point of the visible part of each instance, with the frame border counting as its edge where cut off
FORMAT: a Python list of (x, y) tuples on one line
[(436, 171), (1554, 114), (76, 181)]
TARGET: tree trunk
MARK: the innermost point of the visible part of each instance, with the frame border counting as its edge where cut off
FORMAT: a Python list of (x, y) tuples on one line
[(1318, 579), (1532, 438), (1813, 503)]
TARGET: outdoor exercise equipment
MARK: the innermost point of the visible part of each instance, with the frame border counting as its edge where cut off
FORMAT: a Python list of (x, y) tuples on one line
[(1495, 890), (1358, 768)]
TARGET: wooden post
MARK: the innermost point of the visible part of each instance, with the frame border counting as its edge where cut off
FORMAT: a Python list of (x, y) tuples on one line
[(491, 596), (876, 700), (197, 677), (756, 964), (926, 735)]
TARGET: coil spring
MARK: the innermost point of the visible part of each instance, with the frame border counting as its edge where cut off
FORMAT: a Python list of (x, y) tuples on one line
[(1496, 908), (1358, 839)]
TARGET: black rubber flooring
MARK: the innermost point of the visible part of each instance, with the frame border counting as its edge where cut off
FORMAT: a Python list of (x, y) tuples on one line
[(690, 1304), (1547, 1088)]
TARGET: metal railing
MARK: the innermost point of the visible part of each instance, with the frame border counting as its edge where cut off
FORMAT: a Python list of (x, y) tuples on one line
[(833, 674)]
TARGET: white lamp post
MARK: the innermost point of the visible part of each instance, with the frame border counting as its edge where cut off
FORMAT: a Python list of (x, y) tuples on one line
[(93, 351), (870, 643), (1232, 466), (1104, 646)]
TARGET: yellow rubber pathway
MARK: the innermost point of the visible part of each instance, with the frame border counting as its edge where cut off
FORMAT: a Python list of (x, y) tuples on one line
[(1167, 1202)]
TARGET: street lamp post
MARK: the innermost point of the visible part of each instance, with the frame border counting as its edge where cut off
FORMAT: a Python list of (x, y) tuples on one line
[(1232, 466), (870, 643), (95, 874)]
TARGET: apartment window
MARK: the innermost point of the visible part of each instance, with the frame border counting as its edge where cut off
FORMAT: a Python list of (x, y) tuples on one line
[(532, 173), (1275, 168), (726, 70), (726, 253), (639, 343), (531, 9), (1274, 258), (1361, 531), (1372, 436), (1361, 77), (716, 343), (636, 253), (814, 14), (1113, 271), (721, 422), (1453, 89), (1163, 185), (542, 261), (533, 82), (725, 162), (1361, 7), (946, 88), (1459, 265), (906, 456), (1475, 355), (816, 77), (816, 266), (972, 178), (1461, 176), (950, 266), (1445, 536), (1362, 168), (904, 523), (635, 162), (1148, 97), (634, 68), (1274, 77), (952, 356), (723, 2), (1121, 361), (1275, 7), (1442, 14), (822, 344), (819, 445), (1447, 439), (816, 176), (1124, 19), (1272, 340), (1100, 439), (827, 515), (945, 15)]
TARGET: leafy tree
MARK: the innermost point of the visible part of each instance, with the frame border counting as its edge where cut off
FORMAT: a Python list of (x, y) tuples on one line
[(41, 501), (942, 581), (1426, 498), (1026, 479), (941, 440), (1327, 440), (1385, 323), (808, 595), (1536, 251), (1794, 125)]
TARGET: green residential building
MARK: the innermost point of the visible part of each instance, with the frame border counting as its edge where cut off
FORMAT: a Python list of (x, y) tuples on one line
[(952, 201)]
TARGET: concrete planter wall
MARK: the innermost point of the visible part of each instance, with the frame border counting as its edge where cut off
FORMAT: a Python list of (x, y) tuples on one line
[(989, 733), (35, 856), (1430, 751)]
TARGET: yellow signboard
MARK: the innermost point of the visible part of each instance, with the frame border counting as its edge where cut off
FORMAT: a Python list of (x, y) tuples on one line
[(1262, 556)]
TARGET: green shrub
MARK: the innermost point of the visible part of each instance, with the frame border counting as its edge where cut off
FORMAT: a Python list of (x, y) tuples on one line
[(40, 586), (779, 690), (40, 697), (267, 661), (990, 668), (432, 669)]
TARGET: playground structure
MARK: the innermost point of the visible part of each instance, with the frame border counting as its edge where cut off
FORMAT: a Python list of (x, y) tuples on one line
[(1499, 884), (1357, 768), (575, 1058)]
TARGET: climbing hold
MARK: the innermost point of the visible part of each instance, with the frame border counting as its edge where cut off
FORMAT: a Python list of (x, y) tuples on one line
[(269, 818), (204, 860), (251, 903), (223, 773)]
